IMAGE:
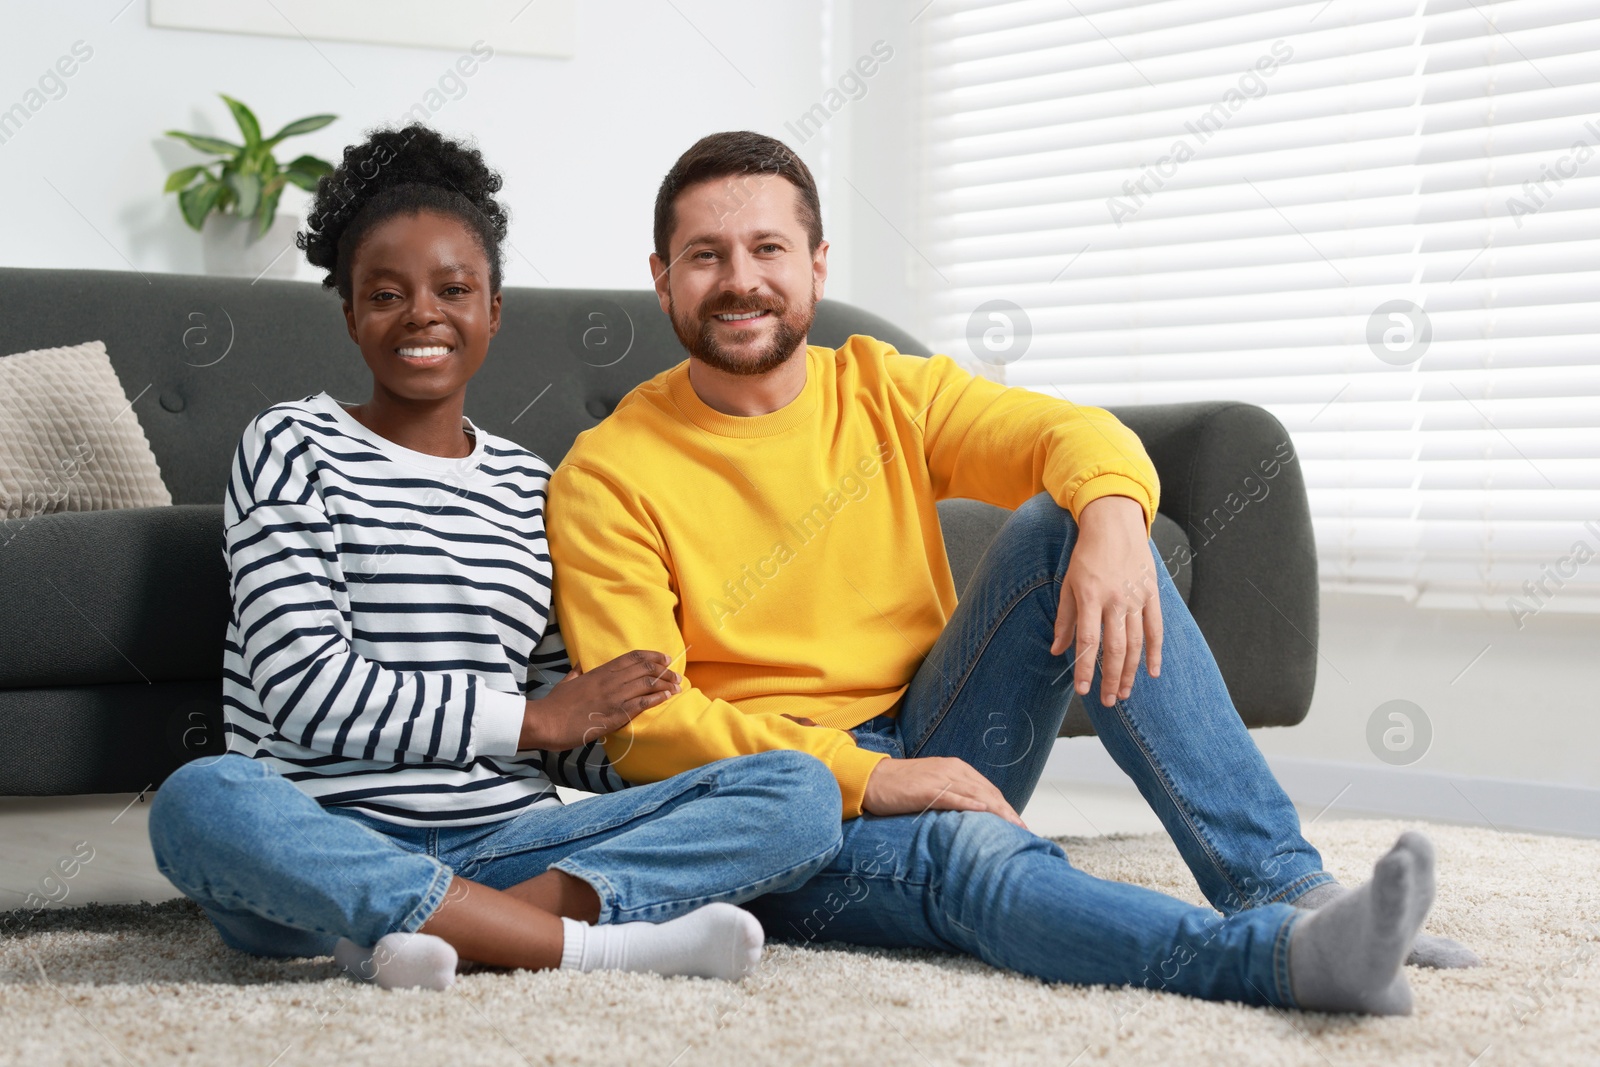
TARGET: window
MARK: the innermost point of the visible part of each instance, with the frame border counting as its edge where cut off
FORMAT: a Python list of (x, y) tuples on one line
[(1378, 219)]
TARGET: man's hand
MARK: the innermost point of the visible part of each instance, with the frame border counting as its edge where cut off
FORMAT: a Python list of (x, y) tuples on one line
[(584, 707), (943, 783), (1111, 586)]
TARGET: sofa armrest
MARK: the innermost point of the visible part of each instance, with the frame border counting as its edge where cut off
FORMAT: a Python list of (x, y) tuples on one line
[(1230, 478)]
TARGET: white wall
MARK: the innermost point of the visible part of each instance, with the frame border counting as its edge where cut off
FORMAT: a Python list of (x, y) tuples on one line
[(582, 142), (1527, 708)]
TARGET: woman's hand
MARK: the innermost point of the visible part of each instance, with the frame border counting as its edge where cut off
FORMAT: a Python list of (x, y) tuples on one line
[(585, 706)]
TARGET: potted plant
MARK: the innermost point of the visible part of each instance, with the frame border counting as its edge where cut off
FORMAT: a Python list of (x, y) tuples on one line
[(242, 186)]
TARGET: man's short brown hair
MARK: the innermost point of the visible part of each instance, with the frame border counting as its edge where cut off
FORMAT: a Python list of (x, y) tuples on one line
[(724, 155)]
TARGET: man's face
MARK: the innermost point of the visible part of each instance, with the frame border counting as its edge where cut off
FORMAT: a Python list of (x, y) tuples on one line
[(743, 283)]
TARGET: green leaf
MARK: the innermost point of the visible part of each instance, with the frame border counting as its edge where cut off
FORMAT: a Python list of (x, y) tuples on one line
[(247, 191), (179, 178), (299, 126), (305, 171), (246, 120), (206, 144), (196, 202), (311, 165), (269, 207)]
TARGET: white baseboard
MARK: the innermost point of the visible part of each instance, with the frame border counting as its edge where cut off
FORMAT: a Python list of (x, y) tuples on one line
[(1396, 792)]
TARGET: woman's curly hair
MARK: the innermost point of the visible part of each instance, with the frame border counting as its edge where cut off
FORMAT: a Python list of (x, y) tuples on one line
[(396, 172)]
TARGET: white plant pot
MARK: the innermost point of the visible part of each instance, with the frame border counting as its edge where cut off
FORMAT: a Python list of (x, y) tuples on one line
[(229, 247)]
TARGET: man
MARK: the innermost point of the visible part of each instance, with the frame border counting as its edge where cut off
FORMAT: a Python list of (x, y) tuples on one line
[(768, 508)]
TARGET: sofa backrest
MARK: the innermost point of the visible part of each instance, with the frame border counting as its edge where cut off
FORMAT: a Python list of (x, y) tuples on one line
[(200, 355)]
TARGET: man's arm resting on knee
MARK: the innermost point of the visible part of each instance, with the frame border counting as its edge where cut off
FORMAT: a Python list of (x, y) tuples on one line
[(1002, 445)]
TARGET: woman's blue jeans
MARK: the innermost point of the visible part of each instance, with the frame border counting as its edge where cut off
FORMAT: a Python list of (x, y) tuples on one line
[(991, 693), (279, 875)]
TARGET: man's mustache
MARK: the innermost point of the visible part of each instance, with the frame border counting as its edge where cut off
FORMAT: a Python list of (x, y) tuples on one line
[(726, 306)]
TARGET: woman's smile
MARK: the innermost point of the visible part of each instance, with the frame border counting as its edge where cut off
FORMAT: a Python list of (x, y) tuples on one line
[(424, 355)]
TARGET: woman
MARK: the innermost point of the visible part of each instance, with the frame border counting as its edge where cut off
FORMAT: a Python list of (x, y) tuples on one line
[(388, 666)]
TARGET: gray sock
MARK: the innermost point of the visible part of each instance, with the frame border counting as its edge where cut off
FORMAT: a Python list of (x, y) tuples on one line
[(1346, 955), (1426, 950)]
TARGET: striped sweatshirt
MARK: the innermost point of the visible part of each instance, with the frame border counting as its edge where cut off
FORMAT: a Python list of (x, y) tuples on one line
[(391, 616)]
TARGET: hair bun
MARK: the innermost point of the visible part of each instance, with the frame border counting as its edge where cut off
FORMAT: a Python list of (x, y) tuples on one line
[(397, 171)]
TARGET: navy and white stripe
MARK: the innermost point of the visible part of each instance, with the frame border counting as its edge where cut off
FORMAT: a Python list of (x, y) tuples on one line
[(391, 615)]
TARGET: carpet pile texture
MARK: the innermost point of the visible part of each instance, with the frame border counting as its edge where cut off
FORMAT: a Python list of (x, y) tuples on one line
[(153, 984)]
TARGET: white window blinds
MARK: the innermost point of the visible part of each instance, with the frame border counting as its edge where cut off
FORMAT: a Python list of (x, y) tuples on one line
[(1237, 199)]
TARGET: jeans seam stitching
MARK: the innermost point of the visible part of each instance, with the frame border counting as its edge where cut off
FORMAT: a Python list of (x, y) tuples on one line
[(1281, 896), (1182, 808), (431, 900), (1280, 959), (972, 663)]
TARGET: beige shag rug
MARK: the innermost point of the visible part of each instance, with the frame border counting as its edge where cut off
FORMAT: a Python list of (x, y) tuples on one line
[(145, 984)]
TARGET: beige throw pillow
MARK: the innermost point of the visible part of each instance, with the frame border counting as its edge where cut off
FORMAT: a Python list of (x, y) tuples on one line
[(69, 439)]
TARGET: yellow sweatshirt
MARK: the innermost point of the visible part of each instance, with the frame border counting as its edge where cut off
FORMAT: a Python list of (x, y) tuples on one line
[(793, 562)]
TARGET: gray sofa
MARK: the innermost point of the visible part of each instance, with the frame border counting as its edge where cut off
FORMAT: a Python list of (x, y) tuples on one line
[(112, 622)]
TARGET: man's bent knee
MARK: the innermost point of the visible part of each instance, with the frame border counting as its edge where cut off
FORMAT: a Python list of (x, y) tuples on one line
[(1041, 509), (1039, 523)]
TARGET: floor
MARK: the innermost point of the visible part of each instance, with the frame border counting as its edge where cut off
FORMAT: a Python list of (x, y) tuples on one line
[(103, 841), (146, 984)]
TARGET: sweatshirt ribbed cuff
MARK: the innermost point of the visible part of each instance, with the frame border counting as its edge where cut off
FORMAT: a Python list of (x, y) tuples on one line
[(852, 767), (1112, 485)]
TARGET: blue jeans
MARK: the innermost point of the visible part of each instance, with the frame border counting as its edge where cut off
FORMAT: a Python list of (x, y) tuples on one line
[(279, 875), (991, 694)]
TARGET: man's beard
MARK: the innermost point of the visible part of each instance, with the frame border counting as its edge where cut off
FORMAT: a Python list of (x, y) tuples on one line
[(697, 333)]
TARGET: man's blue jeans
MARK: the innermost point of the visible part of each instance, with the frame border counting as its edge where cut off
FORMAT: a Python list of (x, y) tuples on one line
[(279, 875), (991, 693)]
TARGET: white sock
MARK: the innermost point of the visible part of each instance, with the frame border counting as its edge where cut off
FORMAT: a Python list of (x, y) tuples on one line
[(400, 961), (716, 941)]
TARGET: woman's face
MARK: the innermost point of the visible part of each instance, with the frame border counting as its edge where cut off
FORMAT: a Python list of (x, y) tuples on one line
[(420, 307)]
